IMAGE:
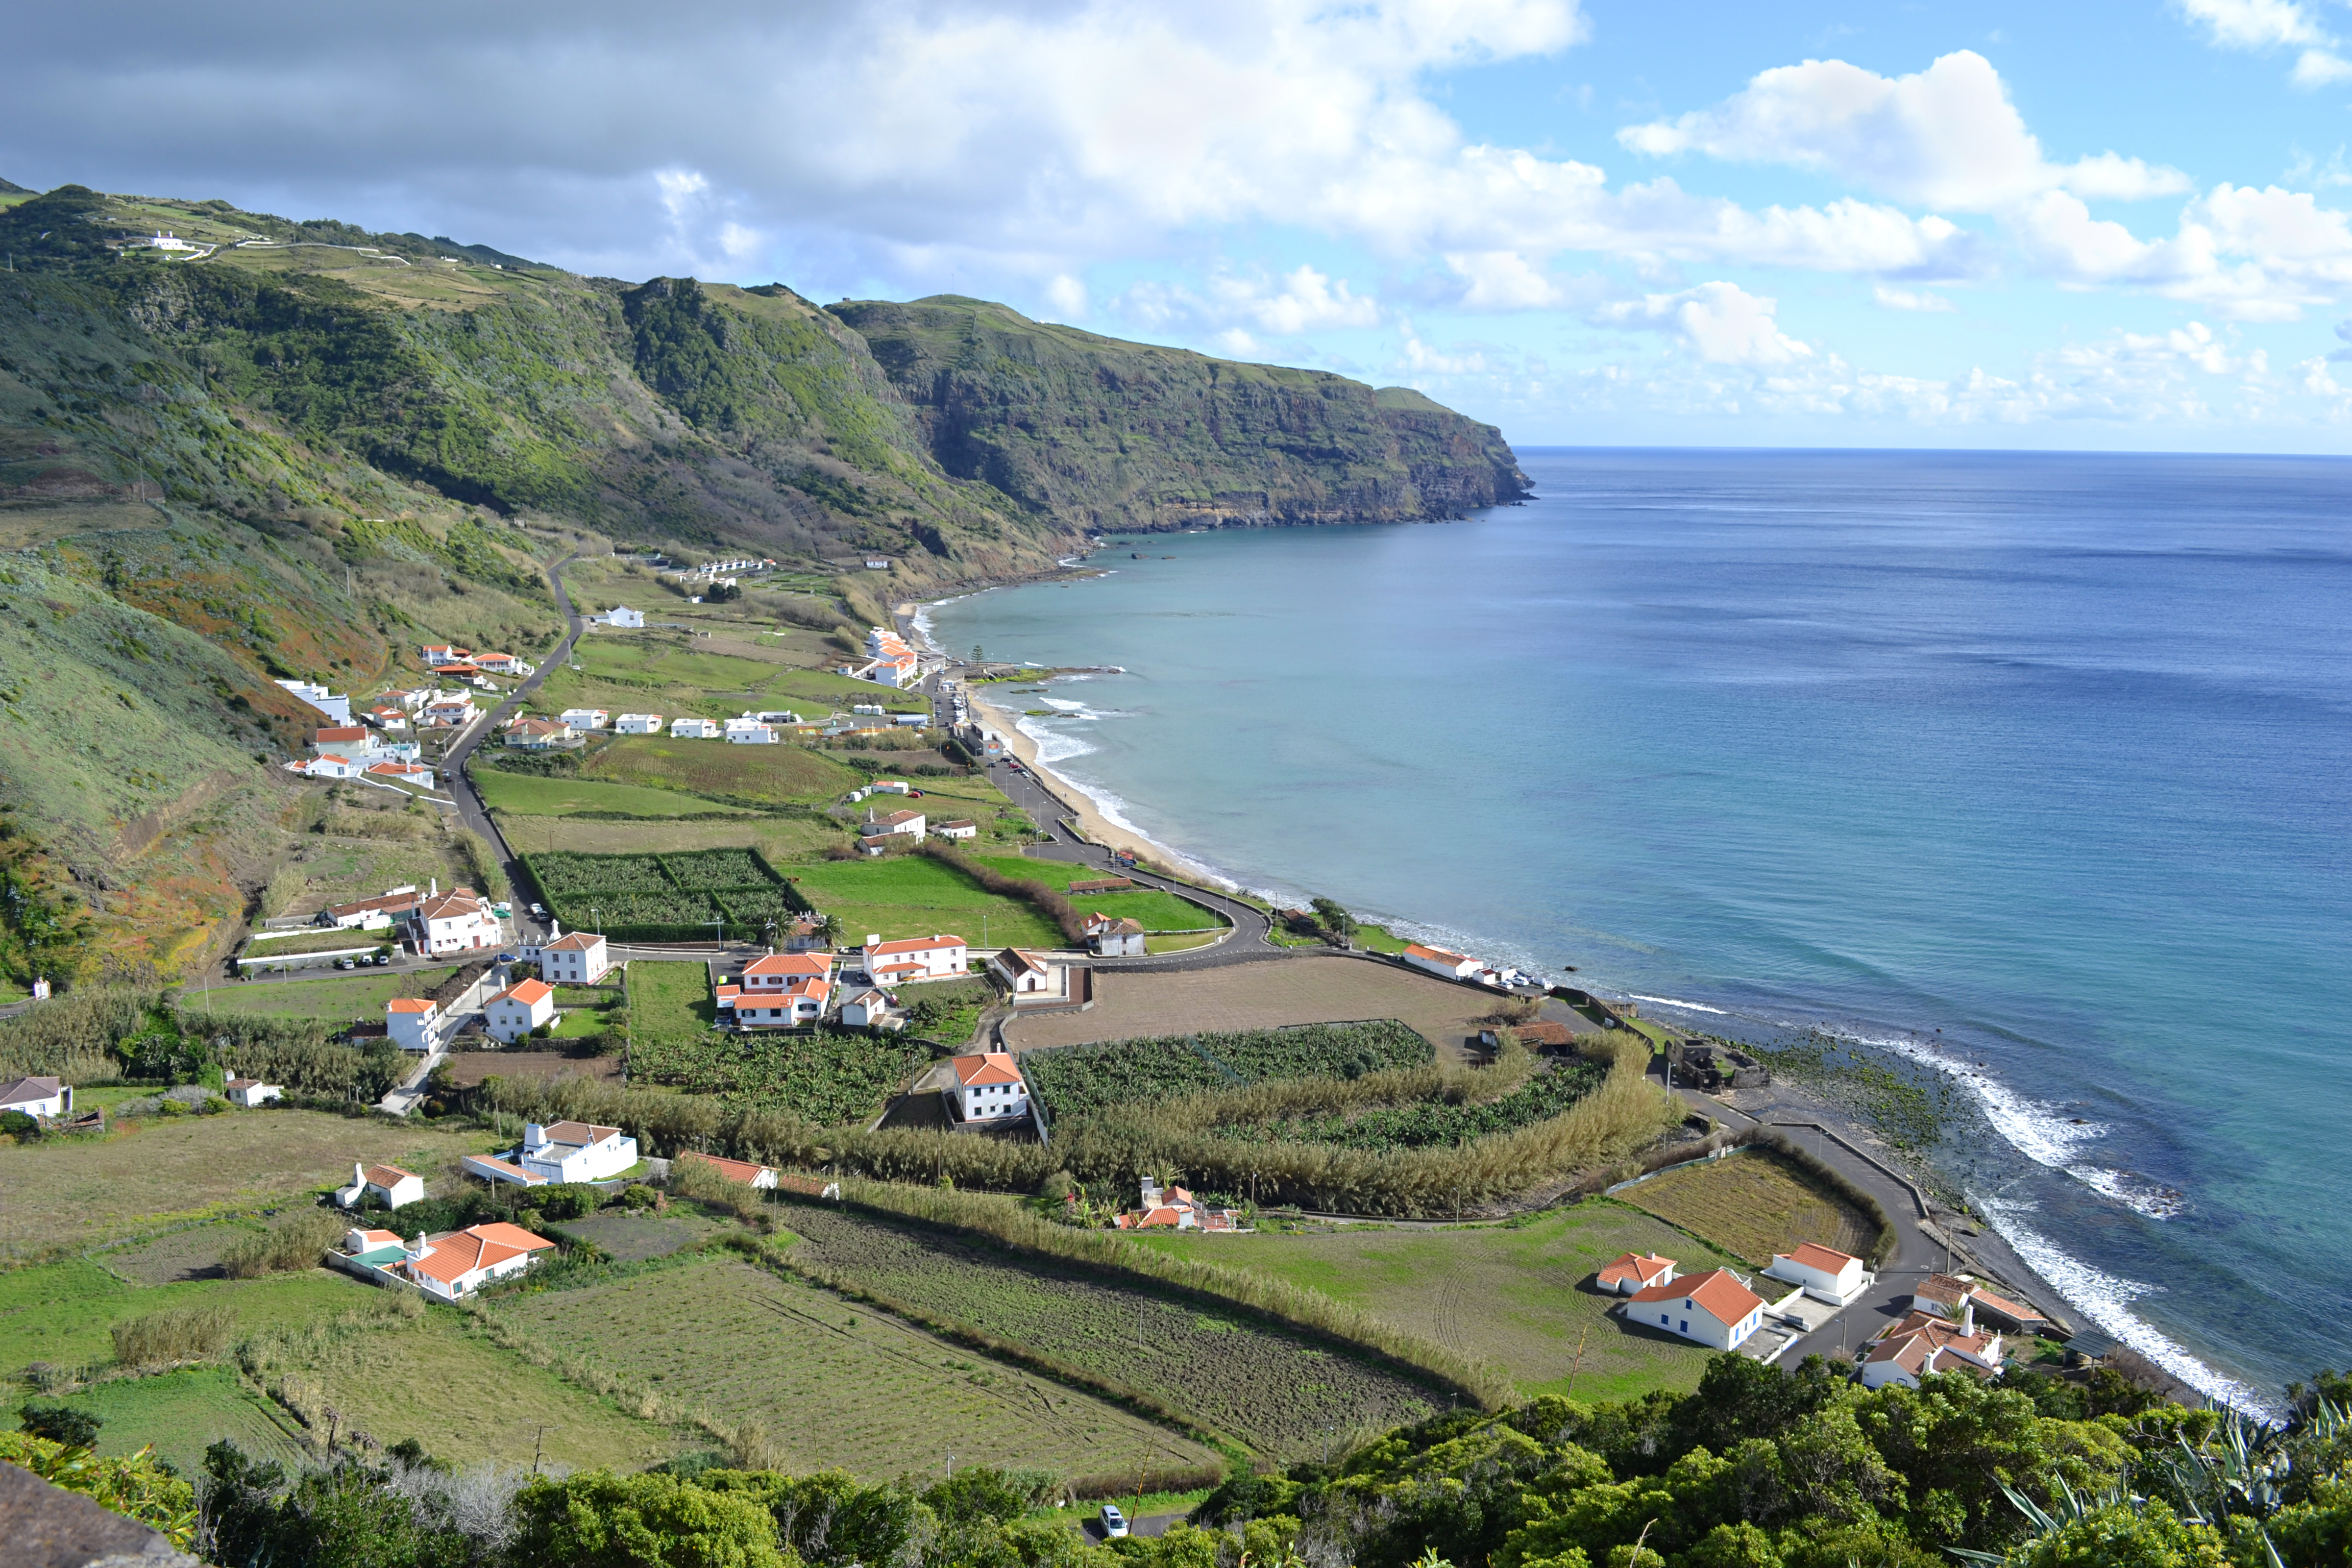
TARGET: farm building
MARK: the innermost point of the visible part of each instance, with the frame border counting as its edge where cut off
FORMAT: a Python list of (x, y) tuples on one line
[(387, 1184), (742, 1171), (41, 1097), (1024, 973), (251, 1091)]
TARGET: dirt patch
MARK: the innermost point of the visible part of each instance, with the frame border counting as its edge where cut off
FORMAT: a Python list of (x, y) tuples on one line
[(633, 1237), (184, 1255), (1235, 997), (467, 1068)]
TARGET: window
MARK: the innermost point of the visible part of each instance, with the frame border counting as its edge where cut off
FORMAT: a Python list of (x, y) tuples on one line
[(1686, 1328)]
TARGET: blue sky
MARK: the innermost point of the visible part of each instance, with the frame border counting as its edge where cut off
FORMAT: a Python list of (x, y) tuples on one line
[(2091, 226)]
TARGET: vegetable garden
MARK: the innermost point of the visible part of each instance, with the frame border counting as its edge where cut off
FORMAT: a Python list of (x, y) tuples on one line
[(1078, 1080), (823, 1078), (664, 897)]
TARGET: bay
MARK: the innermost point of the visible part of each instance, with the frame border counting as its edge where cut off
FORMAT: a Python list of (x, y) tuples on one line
[(2030, 767)]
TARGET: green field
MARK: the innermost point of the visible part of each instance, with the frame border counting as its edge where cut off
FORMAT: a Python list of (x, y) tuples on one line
[(784, 775), (1154, 909), (913, 895), (183, 1412), (342, 999), (528, 795), (1520, 1294), (829, 1078), (835, 1383), (60, 1312), (145, 1176), (1279, 1389)]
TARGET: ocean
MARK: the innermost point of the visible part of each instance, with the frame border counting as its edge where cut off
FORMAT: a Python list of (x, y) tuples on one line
[(2034, 770)]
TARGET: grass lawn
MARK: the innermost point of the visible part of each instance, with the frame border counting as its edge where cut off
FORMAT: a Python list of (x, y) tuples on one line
[(670, 1002), (1182, 943), (784, 775), (183, 1412), (524, 795), (780, 838), (913, 895), (834, 1382), (1521, 1295), (1754, 1205), (264, 947), (61, 1312), (1154, 909), (347, 996), (1378, 938), (145, 1176)]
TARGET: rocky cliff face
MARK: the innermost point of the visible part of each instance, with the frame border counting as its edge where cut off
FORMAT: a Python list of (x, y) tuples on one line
[(1113, 435)]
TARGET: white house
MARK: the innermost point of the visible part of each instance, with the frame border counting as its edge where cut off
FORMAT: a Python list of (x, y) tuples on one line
[(743, 1171), (1713, 1308), (1437, 961), (637, 725), (1115, 938), (622, 616), (412, 1022), (773, 715), (574, 1152), (580, 959), (415, 774), (987, 1087), (584, 719), (388, 718), (1923, 1344), (331, 765), (450, 708), (963, 827), (696, 730), (898, 824), (1175, 1208), (501, 664), (1024, 973), (870, 1009), (462, 1262), (936, 957), (372, 914), (538, 734), (346, 739), (43, 1096), (1826, 1273), (1955, 1296), (387, 1184), (338, 709), (251, 1091), (784, 990), (518, 1009), (1633, 1271), (750, 732), (455, 921), (774, 974)]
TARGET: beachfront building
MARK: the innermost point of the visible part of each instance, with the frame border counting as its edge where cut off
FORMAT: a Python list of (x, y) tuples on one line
[(1825, 1273), (1438, 961), (1716, 1309), (1923, 1344), (1954, 1296)]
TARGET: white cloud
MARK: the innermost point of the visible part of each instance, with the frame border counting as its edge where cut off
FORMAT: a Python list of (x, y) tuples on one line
[(1420, 360), (2317, 67), (1067, 295), (1506, 280), (1911, 299), (1301, 300), (2254, 24), (2316, 377), (1722, 322), (1946, 137)]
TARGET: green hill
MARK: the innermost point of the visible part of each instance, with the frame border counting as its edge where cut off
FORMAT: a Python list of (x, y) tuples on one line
[(267, 449)]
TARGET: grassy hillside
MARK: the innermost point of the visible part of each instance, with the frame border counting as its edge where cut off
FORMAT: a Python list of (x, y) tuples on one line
[(1117, 435), (301, 449)]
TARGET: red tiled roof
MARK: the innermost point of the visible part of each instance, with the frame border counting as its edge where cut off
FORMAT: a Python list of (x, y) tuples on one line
[(1438, 954), (578, 942), (914, 944), (530, 993), (817, 964), (388, 1175), (1640, 1267), (582, 1133), (990, 1067), (409, 1004), (733, 1170), (1814, 1254), (1719, 1290), (451, 1257)]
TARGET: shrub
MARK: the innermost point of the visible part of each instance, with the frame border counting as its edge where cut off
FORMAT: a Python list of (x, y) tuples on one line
[(61, 1423), (16, 1124), (291, 1244), (174, 1335), (139, 1485)]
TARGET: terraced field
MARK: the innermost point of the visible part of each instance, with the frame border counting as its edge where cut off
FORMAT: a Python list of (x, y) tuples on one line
[(835, 1382), (1279, 1390)]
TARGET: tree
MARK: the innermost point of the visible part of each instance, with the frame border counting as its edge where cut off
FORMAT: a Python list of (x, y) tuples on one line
[(2120, 1536), (1335, 920), (598, 1520)]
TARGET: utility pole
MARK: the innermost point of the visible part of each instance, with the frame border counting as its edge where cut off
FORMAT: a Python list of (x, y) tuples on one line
[(536, 1445)]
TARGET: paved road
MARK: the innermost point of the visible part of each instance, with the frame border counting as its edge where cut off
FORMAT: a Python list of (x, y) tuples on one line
[(470, 809)]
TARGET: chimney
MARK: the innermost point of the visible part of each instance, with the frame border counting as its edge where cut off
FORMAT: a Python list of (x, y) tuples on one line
[(1969, 1315), (416, 1248), (533, 1135), (437, 888), (359, 1178)]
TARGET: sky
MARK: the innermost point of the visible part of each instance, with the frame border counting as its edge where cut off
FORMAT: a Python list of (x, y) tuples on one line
[(2123, 224)]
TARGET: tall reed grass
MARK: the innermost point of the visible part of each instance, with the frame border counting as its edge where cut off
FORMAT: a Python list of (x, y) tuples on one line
[(176, 1335), (293, 1243)]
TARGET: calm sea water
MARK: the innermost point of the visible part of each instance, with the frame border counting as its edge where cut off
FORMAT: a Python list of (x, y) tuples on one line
[(2049, 753)]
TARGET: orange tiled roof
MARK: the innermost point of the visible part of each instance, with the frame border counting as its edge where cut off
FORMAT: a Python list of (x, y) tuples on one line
[(1814, 1254), (990, 1067), (733, 1170), (530, 993), (818, 964), (451, 1257), (388, 1175), (578, 1132), (1719, 1290), (409, 1004), (914, 944), (1641, 1268), (578, 942), (1417, 951)]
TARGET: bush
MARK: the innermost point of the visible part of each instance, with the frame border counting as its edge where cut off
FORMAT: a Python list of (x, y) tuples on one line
[(16, 1124), (174, 1335), (60, 1424), (292, 1244)]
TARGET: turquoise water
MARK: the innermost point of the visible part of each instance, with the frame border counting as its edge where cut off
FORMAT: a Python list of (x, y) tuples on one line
[(2048, 753)]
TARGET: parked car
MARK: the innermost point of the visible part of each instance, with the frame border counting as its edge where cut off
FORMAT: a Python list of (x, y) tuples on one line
[(539, 911), (1114, 1523), (346, 964), (383, 956)]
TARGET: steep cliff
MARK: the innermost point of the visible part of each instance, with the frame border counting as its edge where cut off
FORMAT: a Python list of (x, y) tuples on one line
[(1108, 433)]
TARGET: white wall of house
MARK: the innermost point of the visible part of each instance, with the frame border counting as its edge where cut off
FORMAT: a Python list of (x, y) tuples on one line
[(583, 965), (994, 1102), (1837, 1288), (413, 1031)]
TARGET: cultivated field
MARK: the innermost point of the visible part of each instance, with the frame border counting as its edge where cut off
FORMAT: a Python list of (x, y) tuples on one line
[(913, 895), (470, 1067), (633, 1237), (183, 1412), (526, 795), (781, 774), (828, 1077), (779, 838), (1520, 1294), (143, 1176), (340, 1000), (1277, 1389), (61, 1312), (1754, 1205), (834, 1382), (1303, 990)]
